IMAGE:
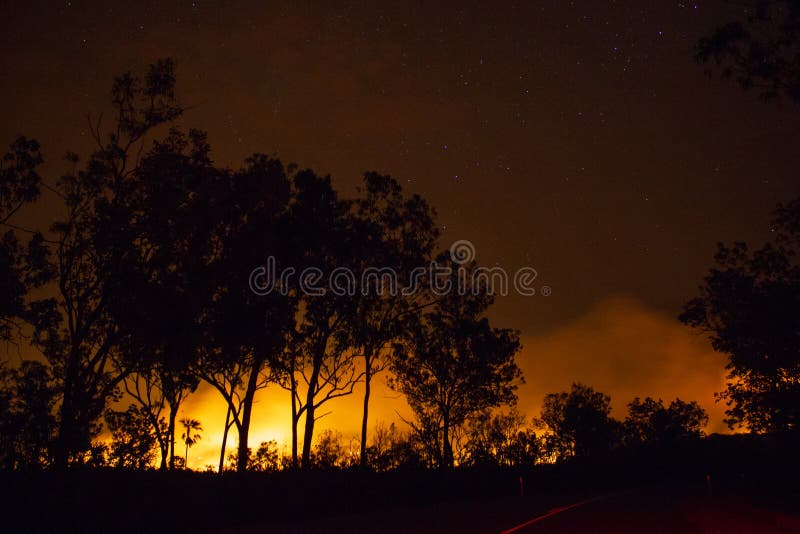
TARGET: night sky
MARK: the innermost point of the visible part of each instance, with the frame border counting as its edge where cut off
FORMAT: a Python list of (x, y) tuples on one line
[(579, 138)]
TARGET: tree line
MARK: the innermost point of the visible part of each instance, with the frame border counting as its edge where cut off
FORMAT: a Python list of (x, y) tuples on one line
[(140, 290), (572, 424)]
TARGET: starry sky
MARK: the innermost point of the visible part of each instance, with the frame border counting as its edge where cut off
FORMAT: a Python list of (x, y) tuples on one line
[(579, 138)]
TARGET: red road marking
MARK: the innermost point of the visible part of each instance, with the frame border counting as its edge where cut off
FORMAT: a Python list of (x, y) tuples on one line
[(553, 512)]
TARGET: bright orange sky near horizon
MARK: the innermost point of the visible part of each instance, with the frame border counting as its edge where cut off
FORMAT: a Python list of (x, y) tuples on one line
[(620, 347)]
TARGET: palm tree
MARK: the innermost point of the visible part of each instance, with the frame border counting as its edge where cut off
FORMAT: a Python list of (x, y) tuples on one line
[(190, 436)]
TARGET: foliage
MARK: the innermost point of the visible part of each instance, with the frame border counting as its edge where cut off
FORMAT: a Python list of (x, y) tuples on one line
[(454, 365), (28, 397), (133, 440), (266, 459), (329, 452), (749, 306), (759, 52), (19, 185), (191, 434), (392, 229), (393, 449), (85, 261), (501, 439), (166, 274), (578, 423), (650, 422)]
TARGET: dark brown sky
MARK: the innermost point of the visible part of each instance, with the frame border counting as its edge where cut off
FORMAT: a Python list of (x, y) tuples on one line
[(576, 137)]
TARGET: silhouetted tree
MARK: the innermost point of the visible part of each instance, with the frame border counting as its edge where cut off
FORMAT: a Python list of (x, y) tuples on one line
[(393, 232), (578, 422), (19, 185), (167, 275), (28, 397), (248, 332), (393, 449), (748, 307), (322, 357), (454, 364), (190, 436), (133, 439), (650, 422), (86, 256), (760, 52), (501, 439), (267, 457), (328, 452)]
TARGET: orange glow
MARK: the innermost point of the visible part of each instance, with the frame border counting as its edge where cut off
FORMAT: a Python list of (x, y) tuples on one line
[(619, 347)]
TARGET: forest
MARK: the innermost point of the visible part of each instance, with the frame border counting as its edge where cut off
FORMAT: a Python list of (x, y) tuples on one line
[(155, 275), (144, 291)]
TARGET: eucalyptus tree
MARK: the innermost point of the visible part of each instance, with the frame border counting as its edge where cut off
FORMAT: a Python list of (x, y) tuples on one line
[(246, 331), (395, 236), (86, 253), (323, 364), (454, 364), (167, 277), (748, 308)]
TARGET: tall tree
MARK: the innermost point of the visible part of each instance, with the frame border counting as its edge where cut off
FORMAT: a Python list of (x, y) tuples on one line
[(749, 306), (247, 332), (321, 364), (167, 275), (454, 363), (74, 329), (748, 302), (395, 235)]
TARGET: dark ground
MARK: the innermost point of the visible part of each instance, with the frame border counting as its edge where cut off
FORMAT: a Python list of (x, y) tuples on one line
[(754, 487), (648, 509)]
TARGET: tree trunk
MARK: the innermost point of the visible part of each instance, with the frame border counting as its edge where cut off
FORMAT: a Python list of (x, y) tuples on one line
[(171, 437), (364, 418), (61, 453), (163, 446), (295, 420), (224, 439), (308, 434), (447, 447), (247, 410), (66, 425), (174, 404)]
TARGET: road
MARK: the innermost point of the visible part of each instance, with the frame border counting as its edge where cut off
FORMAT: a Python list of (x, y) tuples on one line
[(643, 510), (659, 511)]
